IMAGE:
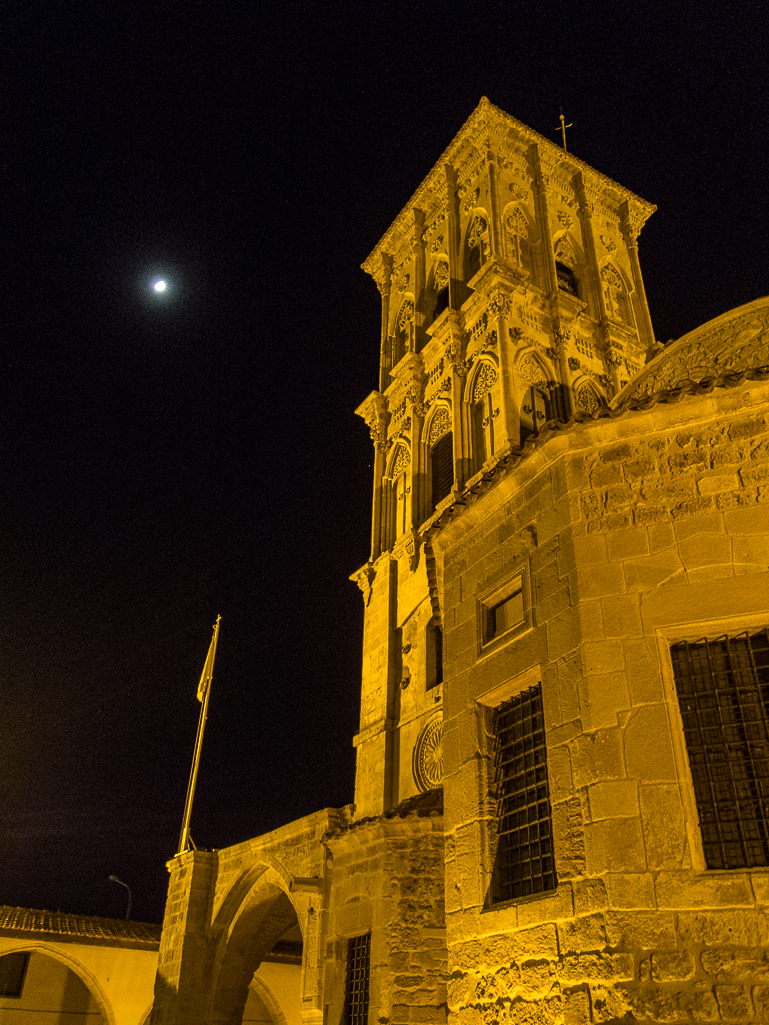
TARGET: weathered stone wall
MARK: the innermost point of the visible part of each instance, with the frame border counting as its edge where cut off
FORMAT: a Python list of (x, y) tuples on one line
[(635, 532), (388, 879)]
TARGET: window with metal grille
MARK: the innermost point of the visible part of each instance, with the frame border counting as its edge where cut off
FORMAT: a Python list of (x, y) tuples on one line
[(13, 968), (442, 465), (723, 695), (356, 986), (524, 862)]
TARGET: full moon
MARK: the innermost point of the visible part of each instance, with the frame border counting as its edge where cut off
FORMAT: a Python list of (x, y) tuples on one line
[(159, 286)]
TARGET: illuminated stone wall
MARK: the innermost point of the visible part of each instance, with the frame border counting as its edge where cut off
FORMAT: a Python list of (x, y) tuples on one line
[(635, 532)]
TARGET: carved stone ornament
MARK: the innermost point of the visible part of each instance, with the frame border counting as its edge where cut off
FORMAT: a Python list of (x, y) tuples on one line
[(437, 245), (516, 334), (517, 191), (403, 283), (400, 463), (485, 380), (427, 762), (587, 400), (564, 252), (734, 342), (500, 303), (364, 578), (530, 370), (441, 275), (471, 200), (406, 314), (613, 357), (378, 433), (609, 244), (478, 229), (420, 408), (515, 223), (574, 363), (564, 219), (439, 425)]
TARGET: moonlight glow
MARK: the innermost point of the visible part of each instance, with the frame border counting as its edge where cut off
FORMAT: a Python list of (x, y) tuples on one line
[(160, 286)]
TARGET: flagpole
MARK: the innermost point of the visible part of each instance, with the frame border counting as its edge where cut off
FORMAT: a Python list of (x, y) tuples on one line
[(205, 686)]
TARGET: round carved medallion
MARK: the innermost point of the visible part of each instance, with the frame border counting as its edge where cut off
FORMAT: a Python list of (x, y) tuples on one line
[(428, 756)]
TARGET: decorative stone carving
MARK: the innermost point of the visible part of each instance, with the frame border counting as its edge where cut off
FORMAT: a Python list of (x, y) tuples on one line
[(587, 400), (403, 282), (441, 275), (574, 363), (437, 245), (478, 229), (500, 303), (515, 223), (609, 244), (564, 252), (439, 425), (564, 219), (420, 408), (484, 381), (517, 191), (530, 370), (406, 314), (364, 578), (428, 756), (733, 342)]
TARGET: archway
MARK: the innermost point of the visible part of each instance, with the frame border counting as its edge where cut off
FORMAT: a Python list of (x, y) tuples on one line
[(54, 984)]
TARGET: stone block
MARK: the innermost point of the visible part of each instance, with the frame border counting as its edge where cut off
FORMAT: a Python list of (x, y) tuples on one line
[(660, 536), (709, 523), (752, 549), (644, 930), (576, 1007), (598, 580), (603, 656), (673, 967), (582, 934), (705, 550), (613, 799), (563, 634), (627, 544), (643, 672), (733, 1002), (547, 908), (662, 819), (602, 698), (574, 969), (743, 964), (570, 838), (675, 1005), (614, 845), (752, 520), (730, 927), (687, 890), (621, 616), (653, 571), (761, 1003), (597, 756), (590, 895), (647, 745), (740, 429), (760, 885), (559, 773)]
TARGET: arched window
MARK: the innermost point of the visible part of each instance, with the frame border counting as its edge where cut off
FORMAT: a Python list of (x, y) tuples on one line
[(587, 399), (441, 442), (441, 288), (517, 236), (404, 332), (477, 244), (484, 411), (537, 406), (565, 265), (434, 651), (615, 295), (399, 490)]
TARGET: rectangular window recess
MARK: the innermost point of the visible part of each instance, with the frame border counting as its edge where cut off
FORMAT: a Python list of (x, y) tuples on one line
[(357, 981), (524, 864), (723, 696), (504, 611)]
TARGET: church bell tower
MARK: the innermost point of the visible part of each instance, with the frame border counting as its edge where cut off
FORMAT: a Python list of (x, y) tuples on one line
[(512, 297)]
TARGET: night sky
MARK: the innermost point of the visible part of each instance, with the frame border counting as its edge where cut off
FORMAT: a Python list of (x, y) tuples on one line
[(170, 458)]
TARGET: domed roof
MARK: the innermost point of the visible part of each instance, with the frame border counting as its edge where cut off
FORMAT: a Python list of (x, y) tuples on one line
[(731, 344)]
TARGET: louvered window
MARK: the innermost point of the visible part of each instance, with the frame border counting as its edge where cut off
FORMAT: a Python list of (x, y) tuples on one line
[(442, 465), (723, 695), (524, 863)]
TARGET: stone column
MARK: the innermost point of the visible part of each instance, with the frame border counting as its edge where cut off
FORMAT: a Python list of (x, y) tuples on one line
[(500, 305), (630, 233), (495, 228), (456, 283), (374, 412), (540, 182), (383, 283), (420, 313), (183, 979)]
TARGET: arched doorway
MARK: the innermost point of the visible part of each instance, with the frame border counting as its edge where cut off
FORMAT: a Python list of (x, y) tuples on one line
[(39, 986)]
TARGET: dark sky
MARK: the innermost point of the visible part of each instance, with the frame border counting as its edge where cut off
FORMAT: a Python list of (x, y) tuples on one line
[(167, 461)]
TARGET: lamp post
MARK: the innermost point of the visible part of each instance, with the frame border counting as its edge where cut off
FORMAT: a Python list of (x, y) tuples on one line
[(114, 879)]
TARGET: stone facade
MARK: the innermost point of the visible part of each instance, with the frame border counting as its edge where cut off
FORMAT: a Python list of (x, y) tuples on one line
[(558, 505)]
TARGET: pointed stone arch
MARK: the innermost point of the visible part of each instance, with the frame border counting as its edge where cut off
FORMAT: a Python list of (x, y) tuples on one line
[(587, 396), (482, 395), (477, 245), (397, 490), (569, 263), (517, 231), (256, 911), (616, 293), (402, 337)]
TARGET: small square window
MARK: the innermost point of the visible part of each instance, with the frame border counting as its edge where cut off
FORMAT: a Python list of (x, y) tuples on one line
[(503, 613)]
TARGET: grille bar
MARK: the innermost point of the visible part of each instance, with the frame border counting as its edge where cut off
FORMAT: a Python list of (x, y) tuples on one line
[(524, 863), (723, 696), (357, 983)]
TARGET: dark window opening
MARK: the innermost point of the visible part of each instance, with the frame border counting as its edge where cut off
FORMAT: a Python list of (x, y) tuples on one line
[(13, 968), (442, 466), (506, 615), (567, 280), (441, 302), (524, 862), (723, 695), (434, 656), (357, 981)]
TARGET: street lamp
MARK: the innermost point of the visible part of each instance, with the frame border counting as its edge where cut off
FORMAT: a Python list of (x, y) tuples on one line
[(114, 879)]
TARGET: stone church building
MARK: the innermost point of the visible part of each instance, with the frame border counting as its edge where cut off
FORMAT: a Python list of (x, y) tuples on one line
[(561, 810)]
